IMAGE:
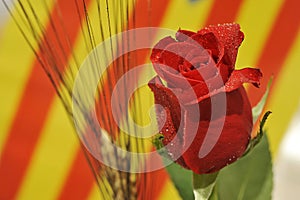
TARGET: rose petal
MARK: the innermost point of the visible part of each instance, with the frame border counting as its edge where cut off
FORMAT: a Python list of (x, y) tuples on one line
[(202, 90), (217, 48), (185, 79), (211, 42), (173, 78), (183, 35), (159, 47), (231, 142), (174, 53), (170, 130), (246, 75), (225, 71), (203, 72), (165, 97), (196, 52), (230, 36), (236, 80), (167, 66), (195, 58)]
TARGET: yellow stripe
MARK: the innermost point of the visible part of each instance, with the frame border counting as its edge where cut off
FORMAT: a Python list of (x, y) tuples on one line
[(169, 192), (285, 97), (186, 15), (16, 62), (256, 19), (52, 158), (94, 194)]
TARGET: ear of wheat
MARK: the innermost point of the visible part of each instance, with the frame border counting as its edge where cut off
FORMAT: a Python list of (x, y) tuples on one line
[(92, 22)]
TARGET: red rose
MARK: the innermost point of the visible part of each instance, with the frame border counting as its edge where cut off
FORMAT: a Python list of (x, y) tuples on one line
[(199, 71)]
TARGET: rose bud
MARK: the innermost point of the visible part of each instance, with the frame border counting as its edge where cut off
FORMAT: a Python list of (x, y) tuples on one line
[(204, 101)]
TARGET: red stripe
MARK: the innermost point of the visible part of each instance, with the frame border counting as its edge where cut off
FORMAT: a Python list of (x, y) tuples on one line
[(149, 13), (277, 46), (24, 132), (223, 11), (33, 108), (79, 181), (151, 184)]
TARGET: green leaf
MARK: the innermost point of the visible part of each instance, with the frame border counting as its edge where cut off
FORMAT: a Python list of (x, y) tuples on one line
[(182, 180), (249, 178), (257, 110), (214, 195), (263, 122), (253, 142), (203, 185)]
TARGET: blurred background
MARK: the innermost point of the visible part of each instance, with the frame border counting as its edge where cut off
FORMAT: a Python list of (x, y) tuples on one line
[(40, 156)]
